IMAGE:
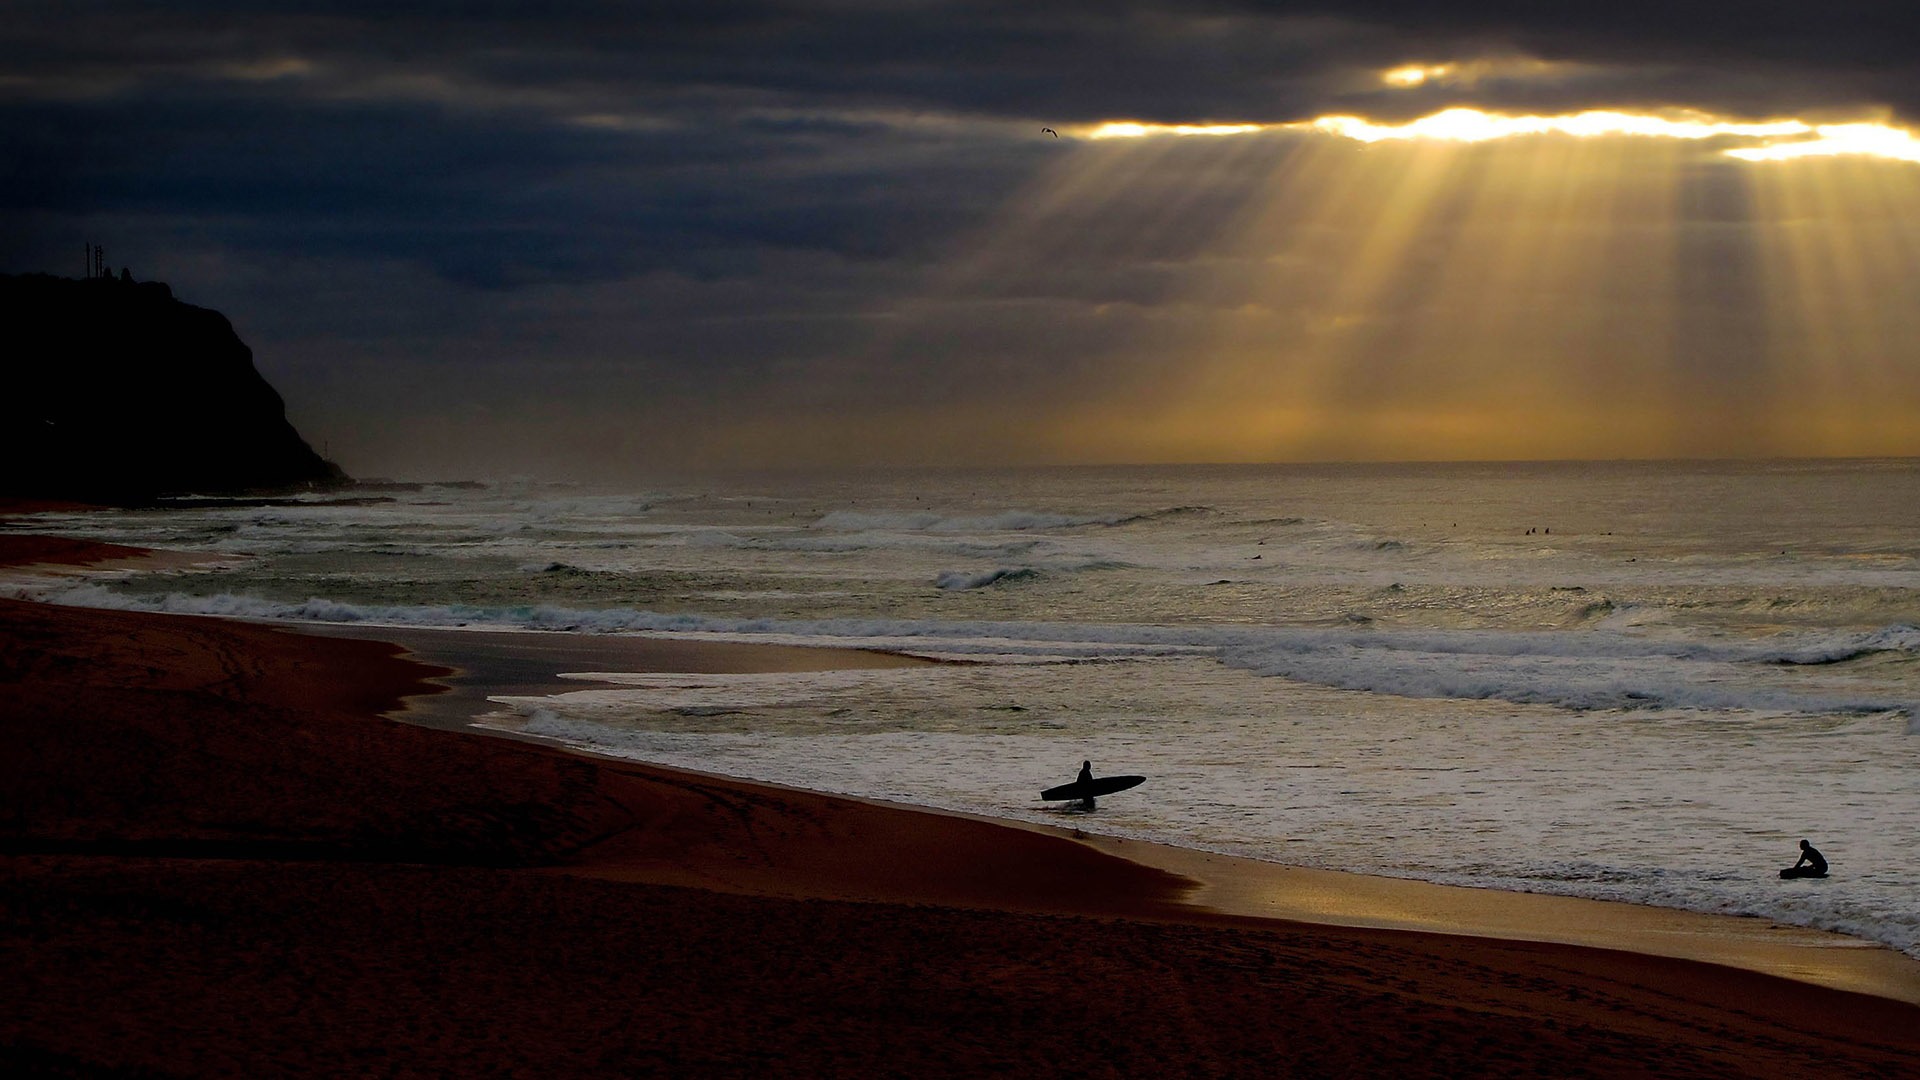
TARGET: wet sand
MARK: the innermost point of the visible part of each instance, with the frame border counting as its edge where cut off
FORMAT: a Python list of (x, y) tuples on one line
[(32, 552), (220, 859), (29, 556), (490, 663)]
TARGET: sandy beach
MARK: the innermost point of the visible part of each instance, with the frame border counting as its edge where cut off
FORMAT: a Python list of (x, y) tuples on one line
[(489, 664), (222, 859)]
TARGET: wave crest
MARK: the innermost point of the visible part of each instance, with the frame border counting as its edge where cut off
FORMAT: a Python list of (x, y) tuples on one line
[(1005, 521), (961, 580), (1583, 670)]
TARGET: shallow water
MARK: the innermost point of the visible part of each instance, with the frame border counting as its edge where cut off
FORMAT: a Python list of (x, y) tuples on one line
[(1627, 681)]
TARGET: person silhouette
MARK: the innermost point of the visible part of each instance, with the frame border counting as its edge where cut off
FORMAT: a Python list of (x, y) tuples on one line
[(1086, 776), (1815, 864)]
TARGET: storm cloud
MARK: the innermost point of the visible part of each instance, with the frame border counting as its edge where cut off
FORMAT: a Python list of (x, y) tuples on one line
[(588, 236)]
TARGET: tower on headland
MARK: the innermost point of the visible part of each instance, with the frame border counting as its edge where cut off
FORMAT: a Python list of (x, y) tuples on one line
[(96, 267)]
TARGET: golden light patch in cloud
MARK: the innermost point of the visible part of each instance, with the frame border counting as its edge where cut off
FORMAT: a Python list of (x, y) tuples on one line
[(623, 122), (1411, 75), (268, 69), (1127, 129), (1468, 72), (1832, 140), (1475, 125), (1777, 140)]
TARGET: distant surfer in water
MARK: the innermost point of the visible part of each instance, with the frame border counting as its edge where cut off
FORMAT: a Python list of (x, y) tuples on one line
[(1086, 775), (1811, 864)]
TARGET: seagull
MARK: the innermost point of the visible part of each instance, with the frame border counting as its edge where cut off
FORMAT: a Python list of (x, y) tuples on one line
[(1050, 131)]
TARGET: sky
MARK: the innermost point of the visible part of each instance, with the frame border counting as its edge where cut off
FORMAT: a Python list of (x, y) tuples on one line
[(600, 241)]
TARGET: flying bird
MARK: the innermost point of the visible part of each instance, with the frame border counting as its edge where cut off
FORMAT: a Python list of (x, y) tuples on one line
[(1050, 131)]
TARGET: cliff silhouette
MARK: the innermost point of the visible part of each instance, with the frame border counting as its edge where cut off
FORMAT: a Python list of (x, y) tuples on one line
[(117, 392)]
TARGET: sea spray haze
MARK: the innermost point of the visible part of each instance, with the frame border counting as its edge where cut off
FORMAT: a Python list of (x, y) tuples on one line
[(1641, 681)]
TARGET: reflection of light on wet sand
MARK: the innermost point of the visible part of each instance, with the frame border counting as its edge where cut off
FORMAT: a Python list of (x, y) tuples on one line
[(1248, 887)]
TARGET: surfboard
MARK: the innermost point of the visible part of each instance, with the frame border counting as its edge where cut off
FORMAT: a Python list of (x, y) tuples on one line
[(1802, 872), (1087, 789)]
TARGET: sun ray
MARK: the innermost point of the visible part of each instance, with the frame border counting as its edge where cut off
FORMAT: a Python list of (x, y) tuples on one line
[(1840, 243), (1306, 352), (1594, 285)]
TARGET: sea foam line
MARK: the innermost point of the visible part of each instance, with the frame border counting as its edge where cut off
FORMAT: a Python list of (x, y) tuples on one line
[(1586, 670)]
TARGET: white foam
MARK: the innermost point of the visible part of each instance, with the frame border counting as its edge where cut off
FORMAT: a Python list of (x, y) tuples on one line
[(923, 521), (961, 580), (1592, 669)]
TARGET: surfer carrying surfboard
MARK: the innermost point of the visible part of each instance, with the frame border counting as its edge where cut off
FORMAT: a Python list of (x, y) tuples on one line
[(1086, 786)]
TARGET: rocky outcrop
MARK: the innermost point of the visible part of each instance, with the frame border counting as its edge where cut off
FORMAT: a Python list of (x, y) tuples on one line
[(113, 391)]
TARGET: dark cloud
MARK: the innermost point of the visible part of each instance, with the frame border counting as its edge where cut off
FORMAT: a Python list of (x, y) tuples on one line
[(1077, 61), (728, 204)]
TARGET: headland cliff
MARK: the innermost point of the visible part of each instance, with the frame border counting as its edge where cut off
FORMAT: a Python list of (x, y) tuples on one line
[(117, 392)]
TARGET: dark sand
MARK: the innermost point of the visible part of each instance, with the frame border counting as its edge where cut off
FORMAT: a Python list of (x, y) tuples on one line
[(34, 551), (40, 556), (219, 859)]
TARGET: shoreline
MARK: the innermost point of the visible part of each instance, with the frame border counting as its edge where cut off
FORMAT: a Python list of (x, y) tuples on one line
[(1222, 884), (489, 662), (217, 833), (476, 664), (1236, 888), (486, 662)]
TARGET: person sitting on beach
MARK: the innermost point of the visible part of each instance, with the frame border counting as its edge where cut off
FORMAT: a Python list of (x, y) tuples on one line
[(1815, 863)]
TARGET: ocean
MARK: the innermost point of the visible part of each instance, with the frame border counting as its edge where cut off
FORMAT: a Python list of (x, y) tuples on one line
[(1628, 681)]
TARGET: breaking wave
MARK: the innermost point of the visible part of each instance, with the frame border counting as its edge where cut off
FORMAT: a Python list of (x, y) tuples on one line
[(1582, 670), (1162, 515), (961, 580), (1898, 638), (1006, 521)]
